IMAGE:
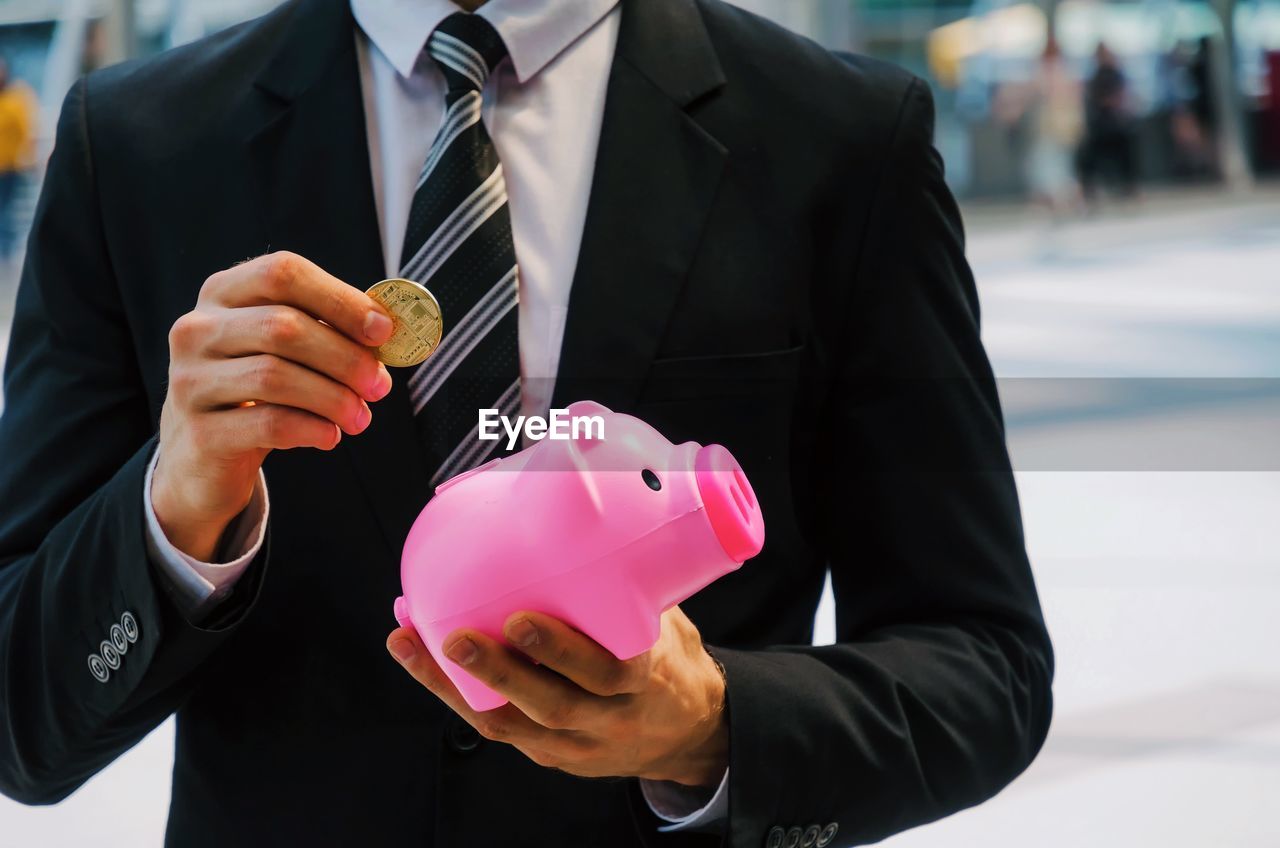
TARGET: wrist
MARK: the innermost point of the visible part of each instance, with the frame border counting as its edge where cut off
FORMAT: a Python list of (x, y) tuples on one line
[(194, 530), (707, 764), (706, 756)]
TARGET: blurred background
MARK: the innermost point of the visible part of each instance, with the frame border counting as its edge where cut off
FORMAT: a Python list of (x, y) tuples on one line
[(1118, 164)]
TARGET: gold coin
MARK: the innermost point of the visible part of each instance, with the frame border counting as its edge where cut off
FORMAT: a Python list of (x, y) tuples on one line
[(416, 314)]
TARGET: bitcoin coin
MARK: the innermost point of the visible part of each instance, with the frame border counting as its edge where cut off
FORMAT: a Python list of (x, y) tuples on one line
[(416, 314)]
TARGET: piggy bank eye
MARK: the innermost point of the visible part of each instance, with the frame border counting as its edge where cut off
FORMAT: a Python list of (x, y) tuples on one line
[(651, 480)]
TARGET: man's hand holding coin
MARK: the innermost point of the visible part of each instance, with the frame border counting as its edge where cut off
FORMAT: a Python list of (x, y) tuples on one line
[(277, 354)]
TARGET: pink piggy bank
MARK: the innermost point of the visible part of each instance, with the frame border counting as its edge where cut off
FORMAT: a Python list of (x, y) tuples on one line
[(604, 533)]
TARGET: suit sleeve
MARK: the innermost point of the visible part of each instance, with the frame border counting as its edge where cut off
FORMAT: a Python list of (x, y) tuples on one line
[(937, 692), (93, 651)]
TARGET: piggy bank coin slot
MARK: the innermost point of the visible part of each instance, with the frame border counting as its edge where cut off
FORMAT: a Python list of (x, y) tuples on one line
[(651, 480), (458, 478)]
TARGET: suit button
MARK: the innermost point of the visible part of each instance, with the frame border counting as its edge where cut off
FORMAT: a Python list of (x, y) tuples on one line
[(775, 837), (462, 737), (793, 838), (98, 668), (810, 838), (130, 626), (828, 834), (118, 639)]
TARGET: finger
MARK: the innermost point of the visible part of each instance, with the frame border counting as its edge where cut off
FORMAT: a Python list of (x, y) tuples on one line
[(577, 754), (265, 426), (551, 701), (505, 724), (287, 278), (292, 334), (270, 379), (575, 655)]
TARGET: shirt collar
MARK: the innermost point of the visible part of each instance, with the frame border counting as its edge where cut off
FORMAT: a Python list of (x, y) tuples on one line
[(535, 31)]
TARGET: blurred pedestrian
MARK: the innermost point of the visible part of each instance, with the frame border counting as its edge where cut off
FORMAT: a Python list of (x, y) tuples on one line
[(1056, 121), (17, 132), (1203, 108), (1107, 150), (1179, 101)]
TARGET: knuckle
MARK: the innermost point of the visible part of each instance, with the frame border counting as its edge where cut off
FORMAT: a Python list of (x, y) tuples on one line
[(267, 375), (345, 306), (282, 327), (187, 332), (278, 272), (494, 729), (559, 654), (340, 304), (500, 679), (212, 285), (561, 716), (271, 425)]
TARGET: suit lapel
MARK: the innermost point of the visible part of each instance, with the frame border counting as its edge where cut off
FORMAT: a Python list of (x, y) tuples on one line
[(311, 162), (656, 176)]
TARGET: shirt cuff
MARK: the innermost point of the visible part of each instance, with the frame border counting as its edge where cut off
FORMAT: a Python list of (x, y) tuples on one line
[(205, 583), (683, 807)]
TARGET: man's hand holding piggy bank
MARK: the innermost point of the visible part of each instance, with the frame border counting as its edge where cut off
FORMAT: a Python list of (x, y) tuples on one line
[(659, 715), (574, 554)]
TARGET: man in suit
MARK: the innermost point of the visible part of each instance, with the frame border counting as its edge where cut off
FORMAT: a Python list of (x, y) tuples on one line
[(671, 207)]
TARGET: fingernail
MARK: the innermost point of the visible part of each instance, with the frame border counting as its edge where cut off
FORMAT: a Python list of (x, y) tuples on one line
[(402, 650), (522, 632), (381, 383), (463, 651), (377, 327), (363, 417)]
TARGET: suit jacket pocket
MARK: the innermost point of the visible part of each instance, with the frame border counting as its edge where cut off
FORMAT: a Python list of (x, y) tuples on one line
[(710, 377)]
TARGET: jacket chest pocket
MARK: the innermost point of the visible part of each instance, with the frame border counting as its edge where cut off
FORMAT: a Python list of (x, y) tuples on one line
[(766, 375)]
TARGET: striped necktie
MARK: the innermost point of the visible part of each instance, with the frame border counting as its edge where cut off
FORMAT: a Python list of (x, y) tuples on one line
[(458, 243)]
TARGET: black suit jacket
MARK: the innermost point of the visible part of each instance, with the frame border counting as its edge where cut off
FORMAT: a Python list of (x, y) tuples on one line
[(771, 260)]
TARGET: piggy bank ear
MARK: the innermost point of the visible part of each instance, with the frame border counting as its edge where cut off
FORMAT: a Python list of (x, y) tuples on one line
[(587, 419), (573, 478), (588, 410)]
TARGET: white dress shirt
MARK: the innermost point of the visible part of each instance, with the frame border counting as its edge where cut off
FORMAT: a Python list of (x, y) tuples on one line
[(543, 109)]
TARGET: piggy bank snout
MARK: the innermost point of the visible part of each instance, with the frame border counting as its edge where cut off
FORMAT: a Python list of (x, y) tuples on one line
[(730, 502)]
